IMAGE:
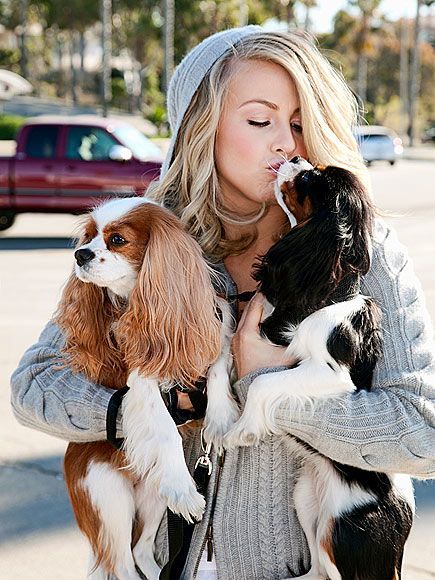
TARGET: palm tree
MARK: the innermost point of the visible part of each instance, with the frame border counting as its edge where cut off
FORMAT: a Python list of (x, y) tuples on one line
[(24, 6), (363, 41), (309, 4), (169, 42)]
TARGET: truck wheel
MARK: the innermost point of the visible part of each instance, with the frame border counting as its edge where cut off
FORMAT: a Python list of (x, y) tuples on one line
[(6, 220)]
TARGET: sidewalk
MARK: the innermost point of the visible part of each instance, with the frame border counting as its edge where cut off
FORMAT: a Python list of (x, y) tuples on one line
[(419, 153)]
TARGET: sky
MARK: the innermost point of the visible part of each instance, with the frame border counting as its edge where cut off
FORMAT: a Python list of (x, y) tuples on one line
[(321, 17)]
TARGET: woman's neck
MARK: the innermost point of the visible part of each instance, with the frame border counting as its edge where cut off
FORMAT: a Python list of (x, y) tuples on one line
[(269, 228)]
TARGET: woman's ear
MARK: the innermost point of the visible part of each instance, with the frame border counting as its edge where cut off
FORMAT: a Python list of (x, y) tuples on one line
[(86, 315), (170, 330)]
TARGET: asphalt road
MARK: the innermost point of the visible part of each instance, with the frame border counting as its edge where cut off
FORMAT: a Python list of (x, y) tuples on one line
[(38, 537)]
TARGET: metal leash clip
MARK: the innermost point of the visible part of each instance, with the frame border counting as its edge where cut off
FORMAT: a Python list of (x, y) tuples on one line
[(204, 460)]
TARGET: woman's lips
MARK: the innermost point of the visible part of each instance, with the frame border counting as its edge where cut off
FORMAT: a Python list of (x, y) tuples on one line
[(275, 166)]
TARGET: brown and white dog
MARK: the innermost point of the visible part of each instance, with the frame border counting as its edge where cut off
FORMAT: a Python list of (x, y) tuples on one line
[(139, 309)]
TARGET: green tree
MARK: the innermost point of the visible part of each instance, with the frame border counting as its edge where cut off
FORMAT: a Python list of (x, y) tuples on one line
[(69, 21), (364, 39), (382, 103)]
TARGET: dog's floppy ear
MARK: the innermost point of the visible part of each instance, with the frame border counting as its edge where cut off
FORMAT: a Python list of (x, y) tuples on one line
[(339, 193), (85, 315), (333, 243), (170, 330), (350, 200)]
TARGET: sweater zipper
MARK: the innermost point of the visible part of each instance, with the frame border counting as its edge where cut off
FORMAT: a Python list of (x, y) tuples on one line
[(208, 540)]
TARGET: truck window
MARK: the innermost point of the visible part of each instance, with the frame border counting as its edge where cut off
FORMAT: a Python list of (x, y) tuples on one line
[(89, 144), (42, 141)]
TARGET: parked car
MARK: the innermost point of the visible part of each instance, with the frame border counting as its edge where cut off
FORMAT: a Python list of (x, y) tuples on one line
[(67, 164), (429, 135), (379, 143)]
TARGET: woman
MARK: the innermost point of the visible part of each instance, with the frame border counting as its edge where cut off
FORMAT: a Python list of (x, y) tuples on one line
[(238, 103)]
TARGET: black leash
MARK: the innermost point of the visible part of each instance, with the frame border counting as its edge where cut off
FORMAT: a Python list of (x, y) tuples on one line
[(242, 297), (197, 398), (179, 535), (112, 413), (179, 531)]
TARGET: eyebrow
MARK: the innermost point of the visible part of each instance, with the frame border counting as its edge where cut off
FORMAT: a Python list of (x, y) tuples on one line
[(269, 104)]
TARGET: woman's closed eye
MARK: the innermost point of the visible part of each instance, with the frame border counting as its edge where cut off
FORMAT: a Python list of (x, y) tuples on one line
[(296, 127), (258, 123)]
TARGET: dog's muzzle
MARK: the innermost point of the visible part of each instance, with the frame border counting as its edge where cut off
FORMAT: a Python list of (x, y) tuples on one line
[(83, 256)]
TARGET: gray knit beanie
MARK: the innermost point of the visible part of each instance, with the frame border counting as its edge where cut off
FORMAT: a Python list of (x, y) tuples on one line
[(190, 72)]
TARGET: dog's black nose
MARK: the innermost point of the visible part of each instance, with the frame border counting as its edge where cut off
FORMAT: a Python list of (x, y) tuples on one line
[(295, 159), (83, 255)]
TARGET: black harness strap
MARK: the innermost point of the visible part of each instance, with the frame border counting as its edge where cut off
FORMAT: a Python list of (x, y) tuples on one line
[(177, 531), (111, 415), (180, 532), (242, 297)]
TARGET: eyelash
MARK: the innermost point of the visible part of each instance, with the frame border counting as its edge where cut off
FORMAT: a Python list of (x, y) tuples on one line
[(295, 126), (258, 123)]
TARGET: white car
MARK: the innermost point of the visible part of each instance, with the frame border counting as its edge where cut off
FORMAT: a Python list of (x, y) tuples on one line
[(379, 143)]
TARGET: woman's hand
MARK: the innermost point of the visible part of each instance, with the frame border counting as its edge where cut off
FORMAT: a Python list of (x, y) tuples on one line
[(184, 402), (251, 351)]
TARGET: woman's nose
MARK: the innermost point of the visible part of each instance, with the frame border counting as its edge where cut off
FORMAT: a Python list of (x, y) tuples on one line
[(285, 143)]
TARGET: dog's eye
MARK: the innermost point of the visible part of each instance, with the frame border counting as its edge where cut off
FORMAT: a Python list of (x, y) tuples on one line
[(117, 240)]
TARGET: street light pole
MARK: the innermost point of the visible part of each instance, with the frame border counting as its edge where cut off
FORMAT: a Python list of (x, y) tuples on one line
[(415, 72), (414, 86), (243, 13), (106, 44), (169, 7), (404, 73), (24, 5)]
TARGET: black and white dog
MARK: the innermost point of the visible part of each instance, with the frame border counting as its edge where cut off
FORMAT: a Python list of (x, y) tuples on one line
[(356, 522)]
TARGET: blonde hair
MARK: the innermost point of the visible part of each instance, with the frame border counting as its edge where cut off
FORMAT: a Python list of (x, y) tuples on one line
[(329, 111)]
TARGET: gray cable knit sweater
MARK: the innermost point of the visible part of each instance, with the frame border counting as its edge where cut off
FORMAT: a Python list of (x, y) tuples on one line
[(256, 532)]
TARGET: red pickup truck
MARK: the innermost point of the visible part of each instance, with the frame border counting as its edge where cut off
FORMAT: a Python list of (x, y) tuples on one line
[(67, 164)]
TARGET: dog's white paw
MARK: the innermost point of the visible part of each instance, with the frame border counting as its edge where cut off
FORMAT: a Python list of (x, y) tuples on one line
[(219, 421), (183, 499), (245, 433)]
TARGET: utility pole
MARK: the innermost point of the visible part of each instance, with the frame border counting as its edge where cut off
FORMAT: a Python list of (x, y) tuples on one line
[(415, 77), (106, 44), (169, 14), (362, 54), (415, 72), (362, 78), (309, 4), (24, 5), (404, 73), (243, 13)]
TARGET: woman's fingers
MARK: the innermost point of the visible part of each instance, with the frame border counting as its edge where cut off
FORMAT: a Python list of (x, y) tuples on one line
[(251, 316), (184, 402)]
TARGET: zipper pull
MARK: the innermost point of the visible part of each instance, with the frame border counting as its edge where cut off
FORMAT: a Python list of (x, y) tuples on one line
[(210, 543), (205, 462), (203, 467)]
